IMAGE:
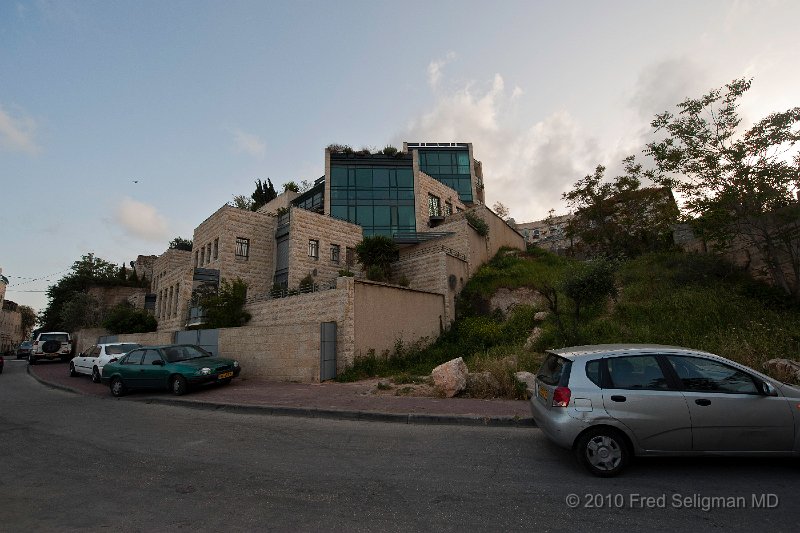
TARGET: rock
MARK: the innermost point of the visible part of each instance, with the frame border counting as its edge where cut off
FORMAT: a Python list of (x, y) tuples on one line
[(450, 378), (541, 315), (784, 369), (527, 378), (482, 385), (533, 337), (507, 299)]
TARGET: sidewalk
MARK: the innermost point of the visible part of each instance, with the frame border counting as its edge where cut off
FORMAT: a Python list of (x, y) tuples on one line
[(344, 401)]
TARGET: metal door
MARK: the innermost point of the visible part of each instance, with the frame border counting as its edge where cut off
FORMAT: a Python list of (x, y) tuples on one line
[(327, 351), (208, 339)]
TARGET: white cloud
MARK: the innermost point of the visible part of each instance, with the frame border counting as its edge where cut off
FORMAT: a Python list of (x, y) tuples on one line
[(249, 143), (435, 69), (141, 220), (17, 134), (526, 168)]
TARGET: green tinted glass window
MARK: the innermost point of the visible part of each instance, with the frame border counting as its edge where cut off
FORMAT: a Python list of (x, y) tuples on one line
[(338, 176), (380, 177), (405, 177), (451, 167)]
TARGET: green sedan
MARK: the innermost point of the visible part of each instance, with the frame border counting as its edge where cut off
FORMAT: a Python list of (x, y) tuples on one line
[(175, 367)]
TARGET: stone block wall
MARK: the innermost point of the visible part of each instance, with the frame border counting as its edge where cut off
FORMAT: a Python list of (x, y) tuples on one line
[(305, 225), (172, 285), (425, 185), (108, 297), (10, 325), (282, 201), (85, 338), (215, 246), (154, 338)]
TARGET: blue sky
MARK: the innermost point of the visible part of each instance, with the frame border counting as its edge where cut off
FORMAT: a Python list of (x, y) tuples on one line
[(196, 100)]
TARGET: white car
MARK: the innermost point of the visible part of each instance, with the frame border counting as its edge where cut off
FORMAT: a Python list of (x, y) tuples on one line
[(51, 345), (92, 361)]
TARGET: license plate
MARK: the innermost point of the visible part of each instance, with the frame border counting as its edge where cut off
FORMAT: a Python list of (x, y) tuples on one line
[(225, 375), (542, 392)]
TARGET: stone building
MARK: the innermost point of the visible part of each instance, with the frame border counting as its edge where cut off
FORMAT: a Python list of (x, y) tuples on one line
[(549, 233), (427, 197), (10, 319)]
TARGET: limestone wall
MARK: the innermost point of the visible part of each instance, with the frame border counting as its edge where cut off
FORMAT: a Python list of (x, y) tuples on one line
[(154, 338), (282, 201), (425, 185), (108, 297), (305, 225), (385, 314)]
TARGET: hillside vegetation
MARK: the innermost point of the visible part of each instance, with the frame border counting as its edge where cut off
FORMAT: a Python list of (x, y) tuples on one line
[(690, 300)]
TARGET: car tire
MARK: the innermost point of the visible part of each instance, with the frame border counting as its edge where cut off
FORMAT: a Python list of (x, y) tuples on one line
[(117, 387), (95, 375), (178, 386), (31, 360), (72, 372), (603, 451)]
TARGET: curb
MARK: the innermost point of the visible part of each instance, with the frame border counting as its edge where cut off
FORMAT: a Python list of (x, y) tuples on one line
[(329, 414)]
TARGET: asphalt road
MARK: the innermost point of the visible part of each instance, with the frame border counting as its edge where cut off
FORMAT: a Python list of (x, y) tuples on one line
[(70, 462)]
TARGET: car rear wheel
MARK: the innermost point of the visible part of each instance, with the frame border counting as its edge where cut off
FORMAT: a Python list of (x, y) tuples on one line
[(179, 385), (72, 372), (31, 360), (603, 451), (95, 375), (117, 387)]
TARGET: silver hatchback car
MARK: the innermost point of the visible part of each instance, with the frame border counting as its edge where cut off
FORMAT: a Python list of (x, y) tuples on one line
[(615, 401)]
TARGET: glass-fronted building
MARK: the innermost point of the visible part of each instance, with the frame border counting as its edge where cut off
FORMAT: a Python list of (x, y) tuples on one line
[(374, 191)]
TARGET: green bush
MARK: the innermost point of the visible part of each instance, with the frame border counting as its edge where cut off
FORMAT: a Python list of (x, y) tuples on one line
[(125, 319), (480, 225), (224, 308)]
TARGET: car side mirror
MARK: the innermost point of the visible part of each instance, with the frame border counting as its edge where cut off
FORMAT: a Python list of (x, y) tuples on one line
[(158, 362), (768, 389)]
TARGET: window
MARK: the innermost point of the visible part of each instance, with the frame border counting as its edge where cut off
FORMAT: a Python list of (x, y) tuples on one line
[(216, 248), (698, 374), (637, 372), (202, 256), (134, 358), (335, 253), (150, 356), (434, 206), (448, 209), (208, 253), (350, 256), (313, 248), (554, 370), (242, 247), (195, 258)]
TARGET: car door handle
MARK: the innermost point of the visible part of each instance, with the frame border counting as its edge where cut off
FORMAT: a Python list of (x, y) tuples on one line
[(617, 398), (702, 401)]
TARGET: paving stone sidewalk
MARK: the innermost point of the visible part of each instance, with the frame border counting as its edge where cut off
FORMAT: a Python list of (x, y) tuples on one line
[(352, 401)]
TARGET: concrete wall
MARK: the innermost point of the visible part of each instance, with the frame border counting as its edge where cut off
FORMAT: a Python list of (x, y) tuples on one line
[(85, 338), (386, 314), (305, 225)]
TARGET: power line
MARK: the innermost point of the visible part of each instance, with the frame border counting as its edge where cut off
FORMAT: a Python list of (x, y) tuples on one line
[(21, 290), (31, 280)]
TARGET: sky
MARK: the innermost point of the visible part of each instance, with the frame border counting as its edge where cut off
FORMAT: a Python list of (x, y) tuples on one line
[(126, 124)]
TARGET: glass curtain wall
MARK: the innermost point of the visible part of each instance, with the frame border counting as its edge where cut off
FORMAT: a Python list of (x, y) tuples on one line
[(451, 167), (379, 198)]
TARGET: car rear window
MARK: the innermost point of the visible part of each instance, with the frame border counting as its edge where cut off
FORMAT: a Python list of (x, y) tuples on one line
[(553, 370), (116, 349), (60, 337)]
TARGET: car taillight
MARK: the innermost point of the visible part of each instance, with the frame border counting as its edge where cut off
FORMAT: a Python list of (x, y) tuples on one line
[(561, 396)]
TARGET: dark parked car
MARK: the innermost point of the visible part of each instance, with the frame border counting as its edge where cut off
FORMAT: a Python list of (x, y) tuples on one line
[(24, 349), (175, 367)]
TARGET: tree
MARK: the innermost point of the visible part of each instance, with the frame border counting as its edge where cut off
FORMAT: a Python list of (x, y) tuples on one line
[(179, 243), (376, 255), (87, 272), (737, 185), (28, 320), (125, 319), (305, 185), (501, 210), (123, 272), (241, 201), (291, 186), (81, 311), (619, 218), (224, 307), (263, 194)]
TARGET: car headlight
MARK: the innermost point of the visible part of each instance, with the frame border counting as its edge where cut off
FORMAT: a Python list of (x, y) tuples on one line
[(235, 364), (204, 371)]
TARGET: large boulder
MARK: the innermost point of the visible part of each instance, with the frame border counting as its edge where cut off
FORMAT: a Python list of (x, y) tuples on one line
[(506, 299), (450, 378), (784, 369), (482, 385), (527, 378)]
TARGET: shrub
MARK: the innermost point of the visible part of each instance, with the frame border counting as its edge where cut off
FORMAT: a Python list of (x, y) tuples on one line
[(377, 253), (346, 272), (477, 223), (125, 319), (224, 307), (389, 150)]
